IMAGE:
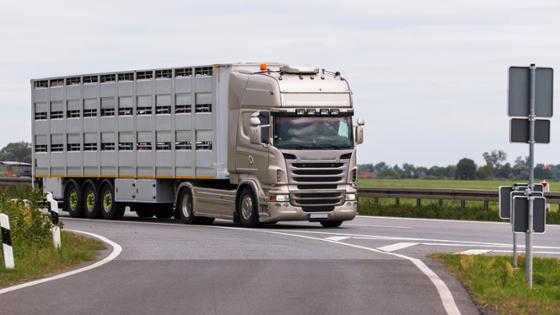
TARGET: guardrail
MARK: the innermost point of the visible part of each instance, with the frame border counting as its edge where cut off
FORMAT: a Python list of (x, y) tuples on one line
[(440, 194)]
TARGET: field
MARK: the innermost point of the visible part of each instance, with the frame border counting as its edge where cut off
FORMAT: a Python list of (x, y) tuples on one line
[(444, 183), (433, 209)]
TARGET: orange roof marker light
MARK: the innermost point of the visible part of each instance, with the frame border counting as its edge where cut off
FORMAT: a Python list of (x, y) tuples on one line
[(263, 67)]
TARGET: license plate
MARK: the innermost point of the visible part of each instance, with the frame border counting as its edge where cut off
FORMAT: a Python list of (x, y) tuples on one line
[(318, 216)]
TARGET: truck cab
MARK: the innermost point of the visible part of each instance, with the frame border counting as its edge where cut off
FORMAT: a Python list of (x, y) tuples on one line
[(294, 143)]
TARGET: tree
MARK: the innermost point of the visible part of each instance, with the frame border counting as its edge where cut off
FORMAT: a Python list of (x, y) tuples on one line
[(16, 151), (466, 169), (521, 168), (494, 159), (504, 171), (484, 172)]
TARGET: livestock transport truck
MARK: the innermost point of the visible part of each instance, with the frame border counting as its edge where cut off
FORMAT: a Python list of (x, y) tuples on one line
[(253, 143)]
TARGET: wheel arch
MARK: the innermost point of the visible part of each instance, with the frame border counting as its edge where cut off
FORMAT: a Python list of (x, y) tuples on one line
[(254, 187), (180, 187)]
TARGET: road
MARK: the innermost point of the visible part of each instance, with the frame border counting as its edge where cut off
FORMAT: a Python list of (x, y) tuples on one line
[(368, 266)]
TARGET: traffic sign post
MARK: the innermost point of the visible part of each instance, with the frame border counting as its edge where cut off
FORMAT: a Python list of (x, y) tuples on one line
[(529, 96)]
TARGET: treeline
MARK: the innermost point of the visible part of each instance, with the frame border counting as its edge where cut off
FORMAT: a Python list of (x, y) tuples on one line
[(496, 166)]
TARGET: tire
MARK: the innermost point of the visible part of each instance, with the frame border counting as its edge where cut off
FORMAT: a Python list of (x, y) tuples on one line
[(91, 201), (247, 208), (184, 209), (164, 211), (110, 209), (331, 224), (145, 211), (73, 199)]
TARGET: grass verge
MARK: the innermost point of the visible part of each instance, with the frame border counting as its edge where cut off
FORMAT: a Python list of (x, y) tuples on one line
[(497, 288), (37, 260)]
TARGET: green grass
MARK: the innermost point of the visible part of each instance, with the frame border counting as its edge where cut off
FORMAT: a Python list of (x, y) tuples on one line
[(35, 261), (499, 289), (443, 183)]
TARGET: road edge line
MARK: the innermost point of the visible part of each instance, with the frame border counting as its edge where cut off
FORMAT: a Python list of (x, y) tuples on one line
[(117, 249), (444, 293)]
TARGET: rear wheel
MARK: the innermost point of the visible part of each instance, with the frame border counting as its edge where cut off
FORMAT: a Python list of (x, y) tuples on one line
[(184, 209), (331, 224), (91, 204), (247, 207), (110, 209), (73, 200)]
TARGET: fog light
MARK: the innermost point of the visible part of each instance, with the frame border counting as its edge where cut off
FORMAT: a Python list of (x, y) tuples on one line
[(350, 196)]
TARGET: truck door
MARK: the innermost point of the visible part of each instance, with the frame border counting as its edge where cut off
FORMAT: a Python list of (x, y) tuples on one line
[(252, 158)]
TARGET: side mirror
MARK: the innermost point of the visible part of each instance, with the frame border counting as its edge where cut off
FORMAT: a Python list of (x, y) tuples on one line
[(255, 129), (359, 131)]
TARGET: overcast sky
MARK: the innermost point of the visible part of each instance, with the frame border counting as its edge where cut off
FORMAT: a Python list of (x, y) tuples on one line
[(429, 77)]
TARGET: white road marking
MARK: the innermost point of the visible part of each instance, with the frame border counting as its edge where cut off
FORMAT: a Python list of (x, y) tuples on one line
[(553, 226), (395, 247), (383, 237), (445, 295), (381, 226), (117, 249), (337, 238), (475, 252)]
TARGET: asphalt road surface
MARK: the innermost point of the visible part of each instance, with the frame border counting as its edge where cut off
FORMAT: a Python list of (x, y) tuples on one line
[(370, 265)]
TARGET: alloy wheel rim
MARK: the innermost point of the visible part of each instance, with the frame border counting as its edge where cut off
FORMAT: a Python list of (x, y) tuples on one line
[(73, 199), (246, 207), (90, 200), (107, 201)]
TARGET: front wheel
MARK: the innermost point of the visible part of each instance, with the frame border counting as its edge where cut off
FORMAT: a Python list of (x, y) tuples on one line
[(331, 224), (247, 208)]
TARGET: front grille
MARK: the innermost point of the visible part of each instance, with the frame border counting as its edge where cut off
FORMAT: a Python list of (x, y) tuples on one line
[(318, 198), (317, 183)]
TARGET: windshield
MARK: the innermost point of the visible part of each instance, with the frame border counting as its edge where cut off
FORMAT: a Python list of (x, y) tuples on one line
[(313, 132)]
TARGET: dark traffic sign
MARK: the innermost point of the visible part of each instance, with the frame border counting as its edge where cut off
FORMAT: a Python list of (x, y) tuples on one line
[(519, 130), (506, 194), (521, 214), (519, 91)]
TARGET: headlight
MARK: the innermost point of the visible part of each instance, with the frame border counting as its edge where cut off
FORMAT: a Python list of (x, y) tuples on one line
[(279, 198), (351, 197)]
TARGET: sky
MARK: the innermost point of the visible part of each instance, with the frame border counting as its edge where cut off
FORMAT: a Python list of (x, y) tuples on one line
[(428, 77)]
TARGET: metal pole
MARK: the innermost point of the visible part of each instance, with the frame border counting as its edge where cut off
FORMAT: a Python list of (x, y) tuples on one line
[(514, 250), (528, 238)]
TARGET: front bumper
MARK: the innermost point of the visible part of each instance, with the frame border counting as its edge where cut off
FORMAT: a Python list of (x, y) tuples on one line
[(285, 211)]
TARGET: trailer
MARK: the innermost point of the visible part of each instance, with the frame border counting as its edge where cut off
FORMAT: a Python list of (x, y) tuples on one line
[(253, 143)]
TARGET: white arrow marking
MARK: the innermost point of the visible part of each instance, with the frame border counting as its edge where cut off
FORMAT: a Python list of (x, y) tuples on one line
[(337, 238), (397, 246)]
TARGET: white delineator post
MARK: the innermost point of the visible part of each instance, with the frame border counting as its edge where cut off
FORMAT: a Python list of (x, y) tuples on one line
[(7, 241), (53, 210)]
